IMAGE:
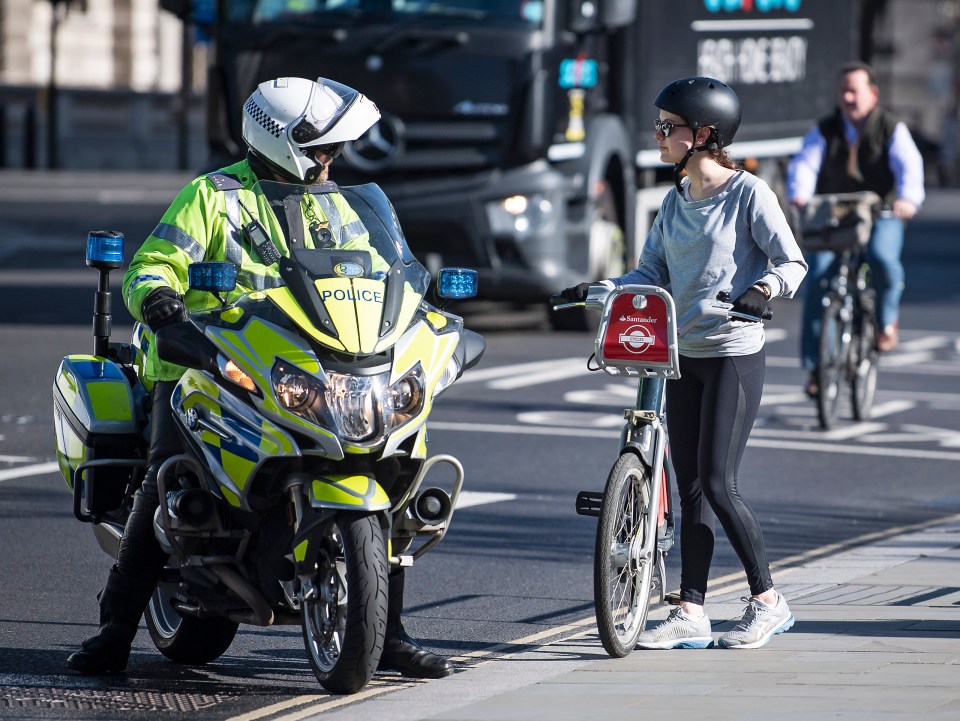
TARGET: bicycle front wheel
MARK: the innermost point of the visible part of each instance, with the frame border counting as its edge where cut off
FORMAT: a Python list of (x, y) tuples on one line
[(831, 363), (622, 578), (866, 363)]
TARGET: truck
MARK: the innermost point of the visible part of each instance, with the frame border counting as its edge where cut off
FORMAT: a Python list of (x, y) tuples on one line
[(516, 136)]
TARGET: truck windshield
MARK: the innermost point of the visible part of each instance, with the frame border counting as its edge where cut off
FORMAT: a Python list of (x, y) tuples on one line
[(526, 13)]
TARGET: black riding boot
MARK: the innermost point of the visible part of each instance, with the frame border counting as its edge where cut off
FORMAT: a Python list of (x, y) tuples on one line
[(122, 602), (140, 560), (400, 652)]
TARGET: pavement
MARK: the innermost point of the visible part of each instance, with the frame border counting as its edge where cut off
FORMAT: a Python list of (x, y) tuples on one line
[(877, 637)]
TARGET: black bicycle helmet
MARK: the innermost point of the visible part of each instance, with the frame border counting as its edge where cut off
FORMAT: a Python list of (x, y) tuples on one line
[(704, 102)]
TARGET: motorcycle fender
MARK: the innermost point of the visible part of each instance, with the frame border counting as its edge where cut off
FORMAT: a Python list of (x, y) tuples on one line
[(348, 493)]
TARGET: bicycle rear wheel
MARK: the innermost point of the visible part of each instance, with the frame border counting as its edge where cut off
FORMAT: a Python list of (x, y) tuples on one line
[(622, 579), (866, 363), (831, 363)]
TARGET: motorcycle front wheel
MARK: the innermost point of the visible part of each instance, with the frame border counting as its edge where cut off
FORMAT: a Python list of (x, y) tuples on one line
[(623, 577), (185, 639), (344, 615)]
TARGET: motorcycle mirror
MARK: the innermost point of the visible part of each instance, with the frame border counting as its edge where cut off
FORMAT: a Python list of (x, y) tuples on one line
[(212, 277), (457, 283)]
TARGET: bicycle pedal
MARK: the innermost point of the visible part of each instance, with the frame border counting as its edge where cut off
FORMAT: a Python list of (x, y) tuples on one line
[(589, 503), (673, 599)]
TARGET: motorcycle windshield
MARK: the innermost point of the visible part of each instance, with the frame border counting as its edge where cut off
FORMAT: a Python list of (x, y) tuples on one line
[(346, 248)]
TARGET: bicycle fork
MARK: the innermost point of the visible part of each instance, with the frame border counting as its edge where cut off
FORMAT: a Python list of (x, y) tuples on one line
[(644, 435)]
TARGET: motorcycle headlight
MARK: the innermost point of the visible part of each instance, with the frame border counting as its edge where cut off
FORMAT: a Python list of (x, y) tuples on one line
[(352, 404), (358, 408), (299, 392), (404, 399)]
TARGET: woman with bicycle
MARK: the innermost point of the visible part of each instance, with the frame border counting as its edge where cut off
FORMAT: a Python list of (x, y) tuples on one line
[(720, 231)]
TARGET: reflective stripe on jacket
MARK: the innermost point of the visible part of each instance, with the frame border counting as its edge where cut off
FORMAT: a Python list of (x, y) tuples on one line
[(204, 224)]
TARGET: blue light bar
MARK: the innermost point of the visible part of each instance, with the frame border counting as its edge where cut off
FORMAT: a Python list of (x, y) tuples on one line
[(213, 277), (105, 248), (457, 283)]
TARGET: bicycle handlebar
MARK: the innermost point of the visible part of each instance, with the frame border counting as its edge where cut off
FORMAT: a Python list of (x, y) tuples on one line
[(597, 294)]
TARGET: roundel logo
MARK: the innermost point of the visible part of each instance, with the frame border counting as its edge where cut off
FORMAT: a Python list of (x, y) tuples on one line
[(348, 270), (637, 339), (379, 148)]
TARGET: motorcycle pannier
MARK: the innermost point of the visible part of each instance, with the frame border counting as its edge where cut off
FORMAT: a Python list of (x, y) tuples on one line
[(838, 221), (95, 419)]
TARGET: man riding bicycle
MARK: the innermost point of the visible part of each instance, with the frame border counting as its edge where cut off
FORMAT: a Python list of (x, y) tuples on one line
[(860, 147)]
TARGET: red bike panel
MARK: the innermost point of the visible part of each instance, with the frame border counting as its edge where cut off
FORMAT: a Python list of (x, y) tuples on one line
[(637, 335)]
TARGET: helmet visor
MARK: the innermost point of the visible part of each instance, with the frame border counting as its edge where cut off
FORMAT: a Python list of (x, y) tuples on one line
[(328, 103)]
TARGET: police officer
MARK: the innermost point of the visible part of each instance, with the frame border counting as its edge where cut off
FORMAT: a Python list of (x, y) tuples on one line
[(293, 128)]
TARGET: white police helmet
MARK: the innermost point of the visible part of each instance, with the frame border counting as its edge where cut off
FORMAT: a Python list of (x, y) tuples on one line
[(285, 118)]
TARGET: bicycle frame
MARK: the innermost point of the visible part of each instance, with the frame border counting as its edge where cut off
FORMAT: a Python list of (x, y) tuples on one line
[(842, 224)]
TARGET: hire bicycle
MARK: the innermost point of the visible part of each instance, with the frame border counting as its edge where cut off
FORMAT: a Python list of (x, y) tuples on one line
[(847, 355), (637, 337)]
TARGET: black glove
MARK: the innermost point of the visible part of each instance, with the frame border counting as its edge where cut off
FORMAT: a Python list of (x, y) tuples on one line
[(576, 294), (752, 302), (162, 307)]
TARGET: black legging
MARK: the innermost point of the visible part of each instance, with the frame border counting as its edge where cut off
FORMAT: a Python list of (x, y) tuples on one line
[(710, 411)]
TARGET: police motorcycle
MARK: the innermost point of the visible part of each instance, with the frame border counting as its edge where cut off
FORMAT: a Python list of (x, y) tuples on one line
[(303, 415)]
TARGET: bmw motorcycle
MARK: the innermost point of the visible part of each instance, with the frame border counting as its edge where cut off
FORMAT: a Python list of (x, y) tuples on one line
[(303, 414)]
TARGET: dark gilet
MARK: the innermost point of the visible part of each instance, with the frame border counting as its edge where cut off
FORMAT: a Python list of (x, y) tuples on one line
[(873, 159)]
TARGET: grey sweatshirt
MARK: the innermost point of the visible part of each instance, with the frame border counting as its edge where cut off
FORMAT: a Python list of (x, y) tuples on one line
[(697, 249)]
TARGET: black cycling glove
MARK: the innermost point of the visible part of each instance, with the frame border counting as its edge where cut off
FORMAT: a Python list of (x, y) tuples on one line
[(576, 294), (752, 302), (162, 307)]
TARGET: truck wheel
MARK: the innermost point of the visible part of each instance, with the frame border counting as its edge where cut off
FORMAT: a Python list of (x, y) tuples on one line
[(607, 259)]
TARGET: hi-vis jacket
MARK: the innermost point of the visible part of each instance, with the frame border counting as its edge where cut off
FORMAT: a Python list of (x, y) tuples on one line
[(203, 224)]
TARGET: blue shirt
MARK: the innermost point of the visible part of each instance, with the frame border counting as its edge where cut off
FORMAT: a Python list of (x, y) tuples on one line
[(906, 163)]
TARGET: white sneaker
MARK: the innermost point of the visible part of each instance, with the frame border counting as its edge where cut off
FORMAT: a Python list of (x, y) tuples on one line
[(678, 631), (759, 624)]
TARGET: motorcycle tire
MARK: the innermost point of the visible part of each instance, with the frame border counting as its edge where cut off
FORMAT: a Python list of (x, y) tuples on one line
[(184, 639), (345, 620), (622, 580)]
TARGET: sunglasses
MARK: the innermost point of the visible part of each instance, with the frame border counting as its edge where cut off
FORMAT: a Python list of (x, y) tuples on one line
[(332, 150), (667, 126)]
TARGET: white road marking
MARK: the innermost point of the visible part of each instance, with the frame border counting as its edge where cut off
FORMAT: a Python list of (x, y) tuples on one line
[(912, 433), (813, 446), (519, 369), (466, 499), (482, 498), (39, 469)]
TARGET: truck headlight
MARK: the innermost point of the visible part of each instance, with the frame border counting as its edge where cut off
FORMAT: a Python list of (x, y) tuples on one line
[(521, 215)]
